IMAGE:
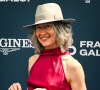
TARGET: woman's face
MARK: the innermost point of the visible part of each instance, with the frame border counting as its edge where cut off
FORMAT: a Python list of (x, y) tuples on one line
[(46, 35)]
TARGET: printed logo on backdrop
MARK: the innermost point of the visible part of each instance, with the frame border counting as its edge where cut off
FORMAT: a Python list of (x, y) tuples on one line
[(14, 0), (87, 48), (87, 1), (10, 45)]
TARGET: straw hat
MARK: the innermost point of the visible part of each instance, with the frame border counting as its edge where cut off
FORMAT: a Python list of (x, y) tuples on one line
[(49, 12)]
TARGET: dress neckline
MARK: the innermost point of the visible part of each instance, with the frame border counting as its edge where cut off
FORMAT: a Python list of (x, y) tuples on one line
[(53, 52)]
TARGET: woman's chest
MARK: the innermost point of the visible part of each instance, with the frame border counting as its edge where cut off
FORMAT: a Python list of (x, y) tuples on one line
[(48, 71)]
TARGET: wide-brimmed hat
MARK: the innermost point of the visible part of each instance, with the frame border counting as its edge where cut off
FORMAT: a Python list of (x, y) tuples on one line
[(49, 12)]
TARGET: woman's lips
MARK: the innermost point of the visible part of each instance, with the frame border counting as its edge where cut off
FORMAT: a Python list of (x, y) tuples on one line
[(44, 38)]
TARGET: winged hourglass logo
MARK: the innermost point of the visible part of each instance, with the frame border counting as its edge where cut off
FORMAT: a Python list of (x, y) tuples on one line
[(6, 50)]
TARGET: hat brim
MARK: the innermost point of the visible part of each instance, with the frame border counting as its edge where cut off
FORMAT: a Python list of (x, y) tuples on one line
[(67, 21)]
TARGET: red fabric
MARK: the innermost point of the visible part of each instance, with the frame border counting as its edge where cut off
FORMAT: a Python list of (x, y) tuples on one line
[(47, 72)]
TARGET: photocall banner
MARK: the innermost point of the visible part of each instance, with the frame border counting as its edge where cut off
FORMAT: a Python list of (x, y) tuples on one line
[(16, 48)]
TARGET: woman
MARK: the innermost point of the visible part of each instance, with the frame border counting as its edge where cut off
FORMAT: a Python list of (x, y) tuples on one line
[(52, 68)]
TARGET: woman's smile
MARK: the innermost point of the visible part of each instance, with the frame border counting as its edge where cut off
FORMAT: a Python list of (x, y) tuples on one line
[(44, 38)]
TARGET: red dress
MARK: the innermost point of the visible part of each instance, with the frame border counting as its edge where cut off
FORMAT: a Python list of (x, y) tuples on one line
[(47, 72)]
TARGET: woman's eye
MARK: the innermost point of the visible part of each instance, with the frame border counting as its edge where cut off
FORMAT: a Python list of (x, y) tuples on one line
[(38, 27), (48, 26)]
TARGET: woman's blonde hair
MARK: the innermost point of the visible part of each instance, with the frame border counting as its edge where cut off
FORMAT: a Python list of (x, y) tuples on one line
[(63, 35)]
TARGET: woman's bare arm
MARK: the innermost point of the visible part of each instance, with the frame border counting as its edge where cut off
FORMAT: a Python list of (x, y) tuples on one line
[(77, 77), (31, 61), (74, 73)]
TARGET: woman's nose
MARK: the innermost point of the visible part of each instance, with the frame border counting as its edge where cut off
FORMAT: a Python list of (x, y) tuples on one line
[(43, 31)]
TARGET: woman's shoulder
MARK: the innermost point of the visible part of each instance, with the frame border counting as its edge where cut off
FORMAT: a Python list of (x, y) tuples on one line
[(71, 62), (33, 57), (32, 60), (73, 68)]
